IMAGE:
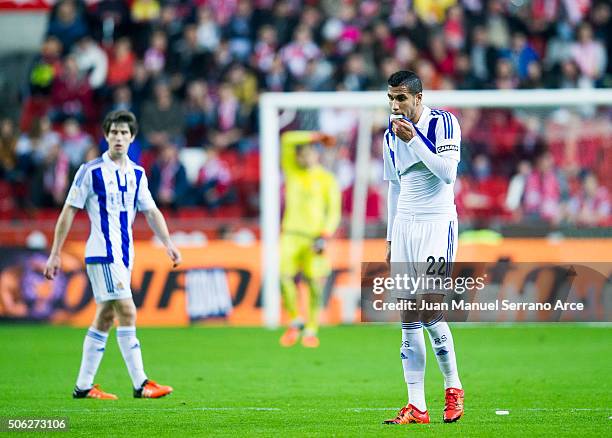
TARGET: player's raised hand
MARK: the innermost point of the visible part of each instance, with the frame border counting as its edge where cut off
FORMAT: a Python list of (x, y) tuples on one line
[(54, 262), (403, 129), (175, 255), (325, 139)]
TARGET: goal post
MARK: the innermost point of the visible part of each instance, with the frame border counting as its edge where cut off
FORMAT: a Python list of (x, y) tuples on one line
[(269, 139)]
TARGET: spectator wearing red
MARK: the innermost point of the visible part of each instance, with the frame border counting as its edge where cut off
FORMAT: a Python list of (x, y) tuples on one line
[(542, 199), (441, 57), (8, 149), (591, 205), (227, 120), (121, 63), (71, 94), (214, 184), (454, 28)]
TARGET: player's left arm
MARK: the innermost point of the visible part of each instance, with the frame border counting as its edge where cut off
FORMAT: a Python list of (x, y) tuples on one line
[(333, 213), (442, 158), (156, 221), (332, 219)]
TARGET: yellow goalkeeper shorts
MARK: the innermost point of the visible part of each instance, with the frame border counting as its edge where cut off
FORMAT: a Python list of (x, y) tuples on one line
[(297, 255)]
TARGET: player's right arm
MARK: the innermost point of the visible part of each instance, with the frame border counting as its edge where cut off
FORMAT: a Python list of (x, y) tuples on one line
[(77, 197), (392, 198), (62, 228), (292, 139), (390, 174)]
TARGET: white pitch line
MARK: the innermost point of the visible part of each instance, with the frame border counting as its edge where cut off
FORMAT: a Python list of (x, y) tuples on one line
[(270, 409), (177, 409)]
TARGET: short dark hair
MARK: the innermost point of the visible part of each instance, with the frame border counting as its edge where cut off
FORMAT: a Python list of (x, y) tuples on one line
[(408, 79), (120, 116)]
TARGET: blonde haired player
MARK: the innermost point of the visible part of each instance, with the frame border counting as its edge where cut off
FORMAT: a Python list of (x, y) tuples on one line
[(112, 189), (312, 214), (421, 153)]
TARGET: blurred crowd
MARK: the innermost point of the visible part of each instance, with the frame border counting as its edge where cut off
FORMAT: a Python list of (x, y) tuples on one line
[(192, 70)]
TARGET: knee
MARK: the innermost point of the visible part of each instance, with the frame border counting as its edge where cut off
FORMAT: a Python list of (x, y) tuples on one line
[(127, 315), (409, 315), (104, 319), (427, 316)]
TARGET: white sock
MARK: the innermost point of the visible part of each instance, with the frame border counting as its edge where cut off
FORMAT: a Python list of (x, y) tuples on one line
[(93, 350), (413, 357), (444, 348), (130, 350)]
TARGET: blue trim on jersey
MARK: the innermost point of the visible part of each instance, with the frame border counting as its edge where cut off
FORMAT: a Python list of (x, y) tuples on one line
[(123, 222), (431, 131), (122, 188), (125, 238), (138, 174), (85, 168), (427, 142), (448, 122), (100, 191)]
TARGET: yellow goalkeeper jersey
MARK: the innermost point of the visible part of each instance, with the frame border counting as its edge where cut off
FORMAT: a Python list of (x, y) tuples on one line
[(312, 197)]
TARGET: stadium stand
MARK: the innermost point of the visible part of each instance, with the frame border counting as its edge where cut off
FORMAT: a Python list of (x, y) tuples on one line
[(192, 71)]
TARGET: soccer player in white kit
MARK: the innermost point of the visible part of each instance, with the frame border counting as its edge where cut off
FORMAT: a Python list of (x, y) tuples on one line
[(112, 189), (421, 153)]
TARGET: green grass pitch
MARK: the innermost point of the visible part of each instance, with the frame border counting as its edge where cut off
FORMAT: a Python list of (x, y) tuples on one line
[(554, 380)]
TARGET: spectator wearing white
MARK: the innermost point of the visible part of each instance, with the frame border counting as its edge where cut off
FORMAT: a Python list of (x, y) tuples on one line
[(589, 54), (298, 52), (209, 34), (91, 60)]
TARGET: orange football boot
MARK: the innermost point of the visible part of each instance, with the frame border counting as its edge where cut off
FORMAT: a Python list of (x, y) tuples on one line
[(453, 406), (290, 337), (310, 340), (409, 414), (94, 392), (151, 389)]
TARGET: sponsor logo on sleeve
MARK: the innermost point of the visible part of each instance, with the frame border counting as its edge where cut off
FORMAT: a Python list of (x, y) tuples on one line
[(447, 147)]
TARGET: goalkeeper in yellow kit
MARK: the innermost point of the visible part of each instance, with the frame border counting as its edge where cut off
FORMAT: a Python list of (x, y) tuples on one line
[(312, 214)]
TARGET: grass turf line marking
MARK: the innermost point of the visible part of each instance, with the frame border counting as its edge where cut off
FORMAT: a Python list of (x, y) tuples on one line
[(177, 409), (268, 409)]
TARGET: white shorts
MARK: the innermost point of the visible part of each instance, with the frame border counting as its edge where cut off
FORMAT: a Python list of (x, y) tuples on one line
[(423, 249), (109, 281)]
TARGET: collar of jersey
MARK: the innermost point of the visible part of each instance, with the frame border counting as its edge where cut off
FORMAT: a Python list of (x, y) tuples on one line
[(111, 164), (422, 120)]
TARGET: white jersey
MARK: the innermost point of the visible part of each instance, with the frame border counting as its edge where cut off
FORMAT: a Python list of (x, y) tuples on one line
[(422, 193), (111, 199)]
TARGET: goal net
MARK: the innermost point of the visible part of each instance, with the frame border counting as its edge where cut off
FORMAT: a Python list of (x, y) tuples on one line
[(503, 134)]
